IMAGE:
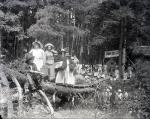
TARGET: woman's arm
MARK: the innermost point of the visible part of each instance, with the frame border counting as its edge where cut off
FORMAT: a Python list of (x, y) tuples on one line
[(54, 51)]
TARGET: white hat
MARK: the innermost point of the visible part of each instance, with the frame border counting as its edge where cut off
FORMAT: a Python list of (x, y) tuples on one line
[(49, 44), (38, 42)]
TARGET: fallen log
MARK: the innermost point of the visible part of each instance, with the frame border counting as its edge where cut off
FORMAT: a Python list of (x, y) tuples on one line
[(7, 94), (9, 72), (47, 101), (20, 95), (51, 88), (19, 78)]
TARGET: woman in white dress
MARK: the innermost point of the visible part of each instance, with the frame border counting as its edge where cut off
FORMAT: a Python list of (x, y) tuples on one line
[(39, 55)]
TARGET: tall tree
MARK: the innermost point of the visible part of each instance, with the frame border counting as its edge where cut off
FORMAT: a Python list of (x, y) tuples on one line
[(115, 21)]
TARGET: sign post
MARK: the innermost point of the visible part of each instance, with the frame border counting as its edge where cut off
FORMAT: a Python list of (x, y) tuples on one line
[(110, 54)]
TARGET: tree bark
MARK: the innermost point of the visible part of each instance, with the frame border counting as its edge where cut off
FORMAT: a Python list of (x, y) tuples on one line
[(47, 101), (5, 82), (121, 49), (20, 95), (9, 72), (124, 45), (0, 45), (65, 90)]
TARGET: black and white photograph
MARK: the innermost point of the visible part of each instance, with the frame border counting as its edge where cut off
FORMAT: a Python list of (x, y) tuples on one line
[(75, 59)]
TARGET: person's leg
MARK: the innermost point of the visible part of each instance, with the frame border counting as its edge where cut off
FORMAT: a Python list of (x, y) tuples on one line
[(31, 82)]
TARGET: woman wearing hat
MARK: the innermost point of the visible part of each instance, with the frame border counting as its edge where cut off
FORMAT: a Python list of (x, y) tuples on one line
[(49, 53), (65, 67), (38, 54)]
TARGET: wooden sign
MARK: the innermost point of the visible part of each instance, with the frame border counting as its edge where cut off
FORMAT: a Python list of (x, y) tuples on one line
[(109, 54)]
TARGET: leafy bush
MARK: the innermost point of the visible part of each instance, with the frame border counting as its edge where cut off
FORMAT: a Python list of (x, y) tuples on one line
[(142, 85)]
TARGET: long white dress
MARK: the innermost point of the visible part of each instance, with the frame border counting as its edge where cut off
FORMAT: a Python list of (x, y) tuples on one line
[(60, 77), (65, 76), (69, 77), (39, 58)]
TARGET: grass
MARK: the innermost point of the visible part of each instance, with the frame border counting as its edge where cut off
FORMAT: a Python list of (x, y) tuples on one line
[(86, 109)]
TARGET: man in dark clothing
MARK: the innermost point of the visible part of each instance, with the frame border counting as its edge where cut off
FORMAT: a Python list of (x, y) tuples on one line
[(29, 61), (64, 66), (31, 67), (60, 66), (60, 61)]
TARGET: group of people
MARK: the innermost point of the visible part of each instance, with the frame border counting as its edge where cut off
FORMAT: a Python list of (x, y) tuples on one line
[(59, 66)]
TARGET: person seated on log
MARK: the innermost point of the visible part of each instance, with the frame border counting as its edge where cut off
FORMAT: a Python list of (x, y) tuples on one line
[(31, 67), (49, 53), (29, 61)]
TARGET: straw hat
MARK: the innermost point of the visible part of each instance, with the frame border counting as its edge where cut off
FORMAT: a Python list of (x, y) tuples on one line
[(37, 42), (49, 44)]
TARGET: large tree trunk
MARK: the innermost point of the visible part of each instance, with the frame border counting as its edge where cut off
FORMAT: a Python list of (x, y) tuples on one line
[(66, 89), (22, 79), (121, 49), (0, 44), (124, 45)]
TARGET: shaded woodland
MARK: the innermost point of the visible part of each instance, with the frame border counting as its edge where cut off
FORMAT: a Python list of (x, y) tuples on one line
[(86, 28)]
